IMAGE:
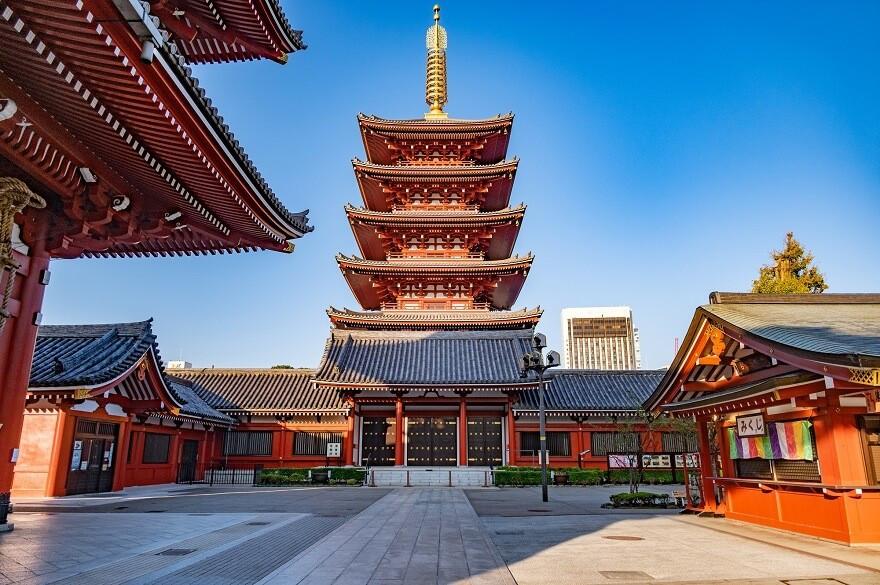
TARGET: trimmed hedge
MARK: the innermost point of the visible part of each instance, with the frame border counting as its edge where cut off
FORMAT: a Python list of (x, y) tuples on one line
[(283, 476), (639, 499), (510, 475), (585, 476), (344, 474), (518, 477), (297, 476), (649, 476)]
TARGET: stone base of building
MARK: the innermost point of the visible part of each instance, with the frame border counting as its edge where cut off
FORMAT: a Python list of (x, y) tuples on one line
[(430, 477)]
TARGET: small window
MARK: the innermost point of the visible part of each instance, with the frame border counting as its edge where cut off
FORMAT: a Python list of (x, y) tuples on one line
[(314, 443), (156, 448), (558, 444), (603, 443), (678, 443), (256, 443), (754, 469)]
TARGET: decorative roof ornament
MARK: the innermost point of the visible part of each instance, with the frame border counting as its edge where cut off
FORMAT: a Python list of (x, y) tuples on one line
[(435, 82)]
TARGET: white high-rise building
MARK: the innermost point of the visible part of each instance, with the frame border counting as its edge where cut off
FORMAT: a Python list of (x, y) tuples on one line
[(600, 338)]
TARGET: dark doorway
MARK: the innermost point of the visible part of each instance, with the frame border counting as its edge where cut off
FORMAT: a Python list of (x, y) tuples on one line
[(93, 457), (431, 441), (484, 440), (189, 457), (377, 441)]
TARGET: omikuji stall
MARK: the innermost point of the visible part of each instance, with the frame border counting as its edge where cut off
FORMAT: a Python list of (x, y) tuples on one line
[(784, 390)]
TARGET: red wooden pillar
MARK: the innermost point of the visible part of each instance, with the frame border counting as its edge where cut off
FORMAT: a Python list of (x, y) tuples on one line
[(17, 342), (511, 437), (62, 448), (398, 431), (204, 450), (348, 443), (462, 432), (706, 463), (119, 465), (839, 445), (175, 453)]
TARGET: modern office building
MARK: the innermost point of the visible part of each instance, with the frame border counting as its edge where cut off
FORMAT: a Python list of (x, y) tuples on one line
[(599, 338)]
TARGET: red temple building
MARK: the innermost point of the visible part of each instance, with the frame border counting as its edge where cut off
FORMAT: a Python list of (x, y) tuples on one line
[(102, 414), (426, 374), (110, 148), (784, 390)]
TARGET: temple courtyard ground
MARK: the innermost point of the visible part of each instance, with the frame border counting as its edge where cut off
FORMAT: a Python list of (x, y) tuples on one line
[(224, 535)]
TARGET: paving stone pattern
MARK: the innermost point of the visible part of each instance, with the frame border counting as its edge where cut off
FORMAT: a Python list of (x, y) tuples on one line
[(249, 562), (411, 536)]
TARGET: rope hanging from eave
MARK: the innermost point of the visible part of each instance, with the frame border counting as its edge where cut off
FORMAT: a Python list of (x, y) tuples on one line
[(14, 197)]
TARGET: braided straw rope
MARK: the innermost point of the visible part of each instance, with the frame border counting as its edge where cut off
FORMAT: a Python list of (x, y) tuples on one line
[(14, 197)]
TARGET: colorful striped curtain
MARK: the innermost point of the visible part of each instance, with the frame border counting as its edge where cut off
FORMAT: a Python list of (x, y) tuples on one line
[(787, 440)]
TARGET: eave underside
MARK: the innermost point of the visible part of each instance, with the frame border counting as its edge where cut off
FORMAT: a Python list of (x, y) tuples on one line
[(435, 320), (224, 30), (139, 133)]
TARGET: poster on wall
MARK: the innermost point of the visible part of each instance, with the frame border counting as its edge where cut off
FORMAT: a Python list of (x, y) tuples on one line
[(695, 489), (622, 461), (76, 458), (655, 461)]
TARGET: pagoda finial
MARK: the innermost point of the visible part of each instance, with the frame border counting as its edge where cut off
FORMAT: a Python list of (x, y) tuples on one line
[(435, 83)]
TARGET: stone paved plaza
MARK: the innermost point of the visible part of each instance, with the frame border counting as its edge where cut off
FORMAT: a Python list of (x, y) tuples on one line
[(344, 536)]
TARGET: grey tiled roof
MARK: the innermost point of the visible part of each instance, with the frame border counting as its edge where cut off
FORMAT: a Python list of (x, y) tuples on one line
[(72, 356), (424, 357), (88, 355), (195, 406), (260, 390), (828, 328), (593, 390)]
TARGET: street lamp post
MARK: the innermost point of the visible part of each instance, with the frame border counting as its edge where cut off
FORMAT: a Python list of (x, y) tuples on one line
[(535, 361)]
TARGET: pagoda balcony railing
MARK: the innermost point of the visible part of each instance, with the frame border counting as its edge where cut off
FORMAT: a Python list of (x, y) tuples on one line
[(419, 255), (400, 305), (434, 207), (436, 162)]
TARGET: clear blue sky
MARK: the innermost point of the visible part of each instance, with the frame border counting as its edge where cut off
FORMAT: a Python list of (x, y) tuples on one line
[(665, 149)]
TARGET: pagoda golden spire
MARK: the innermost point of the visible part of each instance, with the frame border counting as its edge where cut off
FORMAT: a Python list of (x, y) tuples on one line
[(435, 83)]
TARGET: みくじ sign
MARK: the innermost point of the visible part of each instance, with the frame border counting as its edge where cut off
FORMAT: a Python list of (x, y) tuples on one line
[(750, 425)]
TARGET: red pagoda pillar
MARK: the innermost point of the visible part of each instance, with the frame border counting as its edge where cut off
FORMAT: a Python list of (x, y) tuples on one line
[(398, 431), (462, 432)]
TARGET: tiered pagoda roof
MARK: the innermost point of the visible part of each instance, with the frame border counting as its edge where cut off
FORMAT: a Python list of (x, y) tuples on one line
[(436, 230), (379, 233), (402, 320), (462, 185), (391, 141)]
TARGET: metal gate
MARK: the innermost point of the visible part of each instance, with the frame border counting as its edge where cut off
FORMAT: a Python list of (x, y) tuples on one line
[(431, 440), (484, 440)]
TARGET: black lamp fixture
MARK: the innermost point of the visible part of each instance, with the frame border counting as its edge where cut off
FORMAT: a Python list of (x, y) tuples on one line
[(536, 361)]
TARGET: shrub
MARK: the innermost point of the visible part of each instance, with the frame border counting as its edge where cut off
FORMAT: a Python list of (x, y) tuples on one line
[(584, 476), (296, 476), (649, 476), (343, 474), (283, 476), (518, 477), (639, 499)]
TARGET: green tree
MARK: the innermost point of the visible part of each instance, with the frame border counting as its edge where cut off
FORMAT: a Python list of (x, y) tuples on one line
[(792, 271), (282, 367)]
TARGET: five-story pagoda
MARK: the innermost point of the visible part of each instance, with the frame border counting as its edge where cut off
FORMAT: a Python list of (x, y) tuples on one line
[(436, 232), (429, 367)]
